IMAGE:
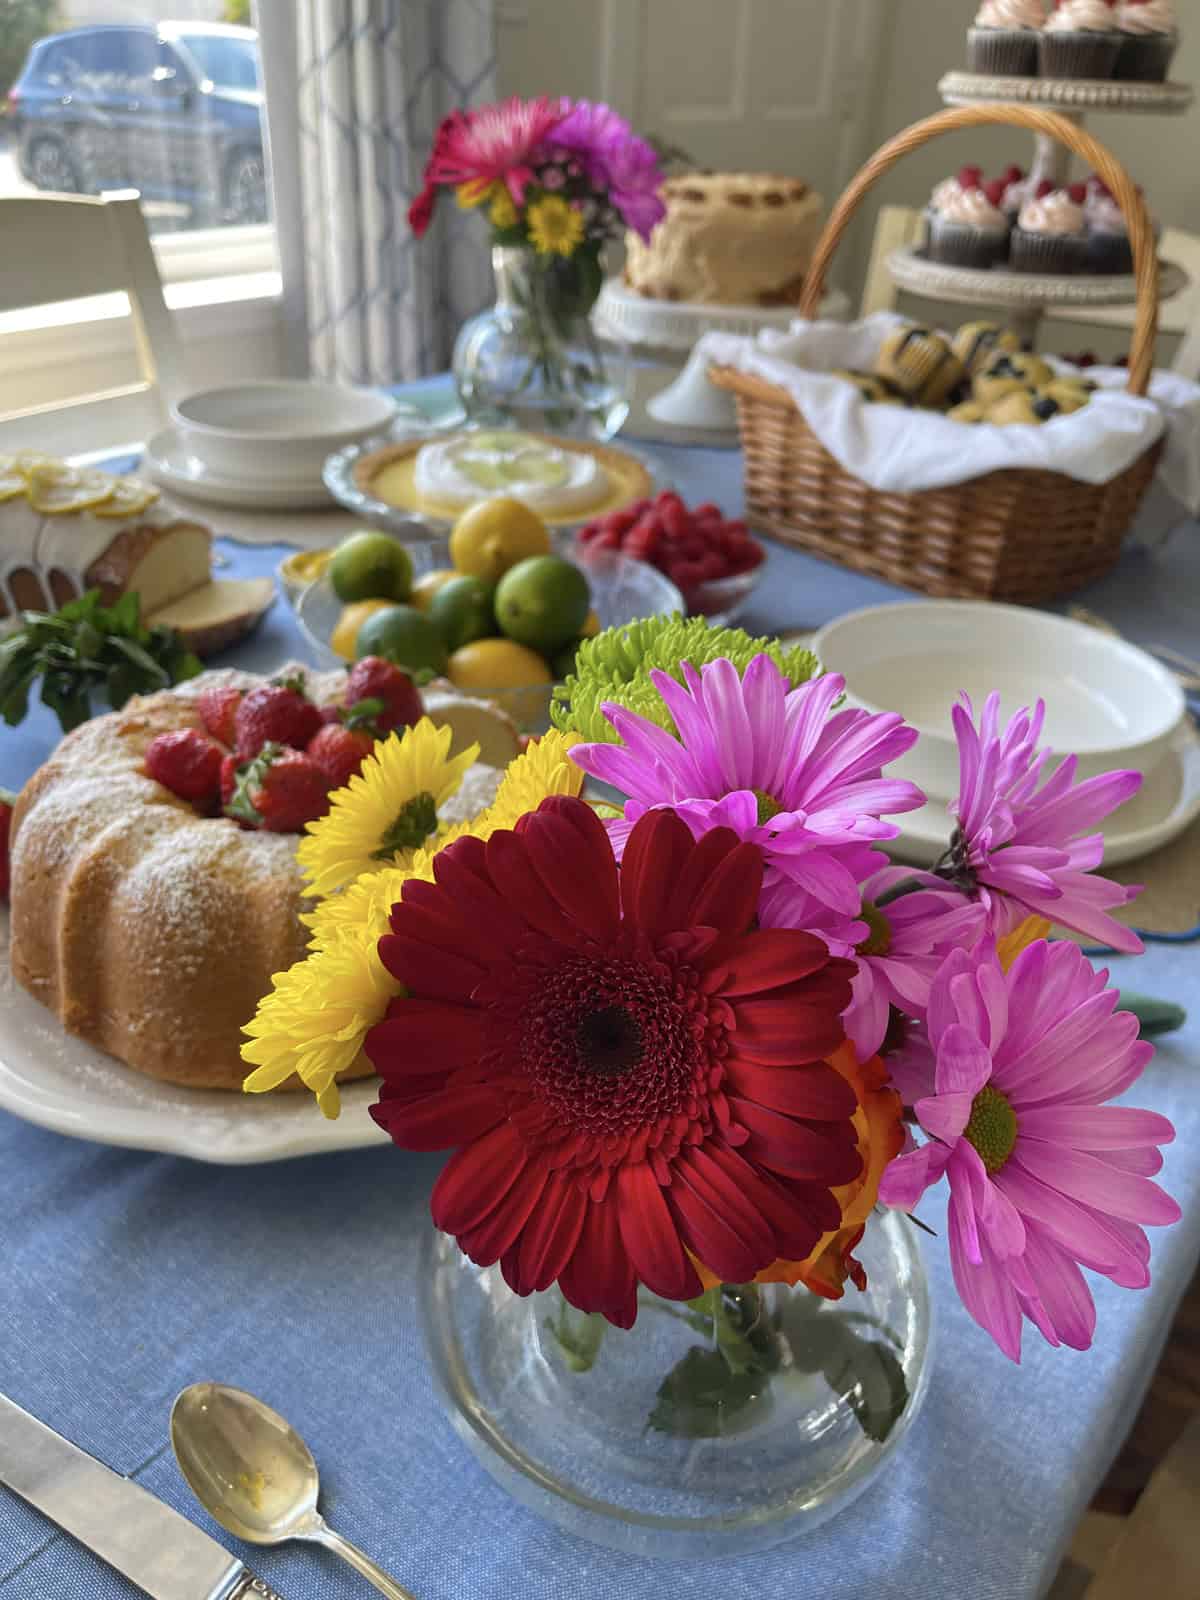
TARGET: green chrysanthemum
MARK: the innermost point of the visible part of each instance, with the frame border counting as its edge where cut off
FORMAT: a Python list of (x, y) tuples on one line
[(616, 666)]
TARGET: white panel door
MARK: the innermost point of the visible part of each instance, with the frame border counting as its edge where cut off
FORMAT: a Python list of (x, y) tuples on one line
[(751, 85)]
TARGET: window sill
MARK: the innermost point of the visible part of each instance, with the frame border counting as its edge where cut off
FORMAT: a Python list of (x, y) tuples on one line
[(77, 330)]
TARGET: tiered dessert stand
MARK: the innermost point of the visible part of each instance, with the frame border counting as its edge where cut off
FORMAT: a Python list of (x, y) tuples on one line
[(1024, 296)]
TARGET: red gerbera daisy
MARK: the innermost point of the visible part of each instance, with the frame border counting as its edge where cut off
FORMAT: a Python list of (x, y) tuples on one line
[(633, 1076)]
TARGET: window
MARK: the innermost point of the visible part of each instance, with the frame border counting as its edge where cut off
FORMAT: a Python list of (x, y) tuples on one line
[(166, 105)]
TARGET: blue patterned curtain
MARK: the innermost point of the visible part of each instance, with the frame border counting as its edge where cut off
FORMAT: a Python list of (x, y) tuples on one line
[(375, 78)]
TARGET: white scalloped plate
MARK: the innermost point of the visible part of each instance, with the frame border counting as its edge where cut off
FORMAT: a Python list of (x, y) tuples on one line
[(51, 1078)]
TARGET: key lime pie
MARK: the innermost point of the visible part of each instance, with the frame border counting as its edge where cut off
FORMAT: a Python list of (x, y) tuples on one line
[(563, 480)]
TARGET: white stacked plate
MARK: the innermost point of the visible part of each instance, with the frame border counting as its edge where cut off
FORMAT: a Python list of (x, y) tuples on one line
[(1107, 702), (262, 446)]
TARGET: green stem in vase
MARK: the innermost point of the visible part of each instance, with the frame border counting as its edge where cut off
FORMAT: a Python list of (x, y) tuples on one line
[(578, 1335)]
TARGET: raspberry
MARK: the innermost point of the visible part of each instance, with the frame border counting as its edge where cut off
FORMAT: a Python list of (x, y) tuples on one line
[(188, 763), (7, 801)]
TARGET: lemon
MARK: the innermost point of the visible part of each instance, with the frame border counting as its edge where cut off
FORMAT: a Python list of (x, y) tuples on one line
[(58, 493), (12, 479), (370, 565), (493, 535), (591, 626), (345, 635), (402, 635), (425, 588), (506, 672), (542, 602)]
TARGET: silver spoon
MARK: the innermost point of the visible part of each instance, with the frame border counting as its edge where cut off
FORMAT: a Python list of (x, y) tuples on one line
[(254, 1473)]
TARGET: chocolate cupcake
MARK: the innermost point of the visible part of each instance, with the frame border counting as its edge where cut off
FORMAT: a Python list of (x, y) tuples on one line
[(1108, 247), (1051, 234), (1079, 40), (966, 226), (1003, 43), (1149, 34)]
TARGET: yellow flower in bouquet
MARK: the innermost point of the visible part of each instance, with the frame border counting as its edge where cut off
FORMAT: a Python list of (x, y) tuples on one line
[(385, 812), (502, 213), (555, 227), (316, 1017)]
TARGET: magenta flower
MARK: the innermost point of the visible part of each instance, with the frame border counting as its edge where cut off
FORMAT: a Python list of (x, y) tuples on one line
[(772, 764), (908, 939), (1022, 849), (615, 160), (493, 144), (1044, 1176)]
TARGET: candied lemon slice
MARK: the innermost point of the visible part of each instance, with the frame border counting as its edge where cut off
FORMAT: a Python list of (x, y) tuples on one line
[(58, 493), (129, 498), (12, 479), (28, 461)]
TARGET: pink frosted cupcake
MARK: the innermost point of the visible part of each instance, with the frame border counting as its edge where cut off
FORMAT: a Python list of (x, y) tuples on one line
[(966, 226), (1108, 246), (1015, 189), (1003, 42), (1051, 231), (1149, 33), (1080, 40)]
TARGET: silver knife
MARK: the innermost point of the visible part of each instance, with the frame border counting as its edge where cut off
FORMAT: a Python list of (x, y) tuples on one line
[(124, 1524)]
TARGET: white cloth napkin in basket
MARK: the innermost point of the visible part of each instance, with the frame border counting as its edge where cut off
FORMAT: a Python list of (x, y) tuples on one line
[(896, 449)]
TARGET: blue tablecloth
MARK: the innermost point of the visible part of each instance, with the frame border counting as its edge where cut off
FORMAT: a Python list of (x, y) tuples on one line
[(125, 1276)]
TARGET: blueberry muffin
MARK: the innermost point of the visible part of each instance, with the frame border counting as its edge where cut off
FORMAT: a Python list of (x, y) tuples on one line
[(975, 342), (921, 365)]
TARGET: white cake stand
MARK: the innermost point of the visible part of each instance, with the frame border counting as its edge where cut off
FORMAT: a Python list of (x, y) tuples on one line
[(667, 403)]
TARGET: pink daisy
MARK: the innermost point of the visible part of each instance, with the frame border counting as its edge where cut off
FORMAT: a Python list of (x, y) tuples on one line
[(770, 762), (491, 145), (1044, 1176), (908, 939), (1023, 849), (615, 160)]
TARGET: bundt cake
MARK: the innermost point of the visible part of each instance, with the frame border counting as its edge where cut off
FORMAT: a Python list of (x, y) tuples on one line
[(149, 930)]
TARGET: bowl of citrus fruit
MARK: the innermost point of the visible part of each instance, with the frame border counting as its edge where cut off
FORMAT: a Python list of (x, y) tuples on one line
[(495, 609)]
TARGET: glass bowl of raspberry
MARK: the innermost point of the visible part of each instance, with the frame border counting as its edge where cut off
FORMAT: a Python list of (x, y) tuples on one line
[(711, 558)]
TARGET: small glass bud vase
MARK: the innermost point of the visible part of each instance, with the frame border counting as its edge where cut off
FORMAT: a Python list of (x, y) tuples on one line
[(533, 360), (716, 1427)]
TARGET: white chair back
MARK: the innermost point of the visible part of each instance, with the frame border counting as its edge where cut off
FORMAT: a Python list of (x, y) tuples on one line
[(65, 247)]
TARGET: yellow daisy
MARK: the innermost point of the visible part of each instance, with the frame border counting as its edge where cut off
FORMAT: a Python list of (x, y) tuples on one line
[(475, 191), (502, 213), (367, 902), (387, 810), (554, 226), (543, 769), (316, 1017)]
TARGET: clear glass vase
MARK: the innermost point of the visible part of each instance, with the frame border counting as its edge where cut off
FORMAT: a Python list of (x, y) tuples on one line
[(532, 360), (714, 1428)]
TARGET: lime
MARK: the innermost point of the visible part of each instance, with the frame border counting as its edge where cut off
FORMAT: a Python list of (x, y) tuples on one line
[(516, 678), (370, 565), (461, 611), (345, 634), (493, 535), (543, 602), (424, 589), (402, 635)]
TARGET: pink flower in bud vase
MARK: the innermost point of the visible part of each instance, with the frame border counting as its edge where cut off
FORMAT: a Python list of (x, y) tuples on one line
[(1044, 1176), (908, 939), (494, 144), (1025, 846), (551, 178)]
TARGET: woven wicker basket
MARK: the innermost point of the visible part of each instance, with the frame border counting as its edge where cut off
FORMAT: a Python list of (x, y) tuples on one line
[(1018, 534)]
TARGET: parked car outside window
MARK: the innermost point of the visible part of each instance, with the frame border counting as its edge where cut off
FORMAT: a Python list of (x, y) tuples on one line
[(172, 109)]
